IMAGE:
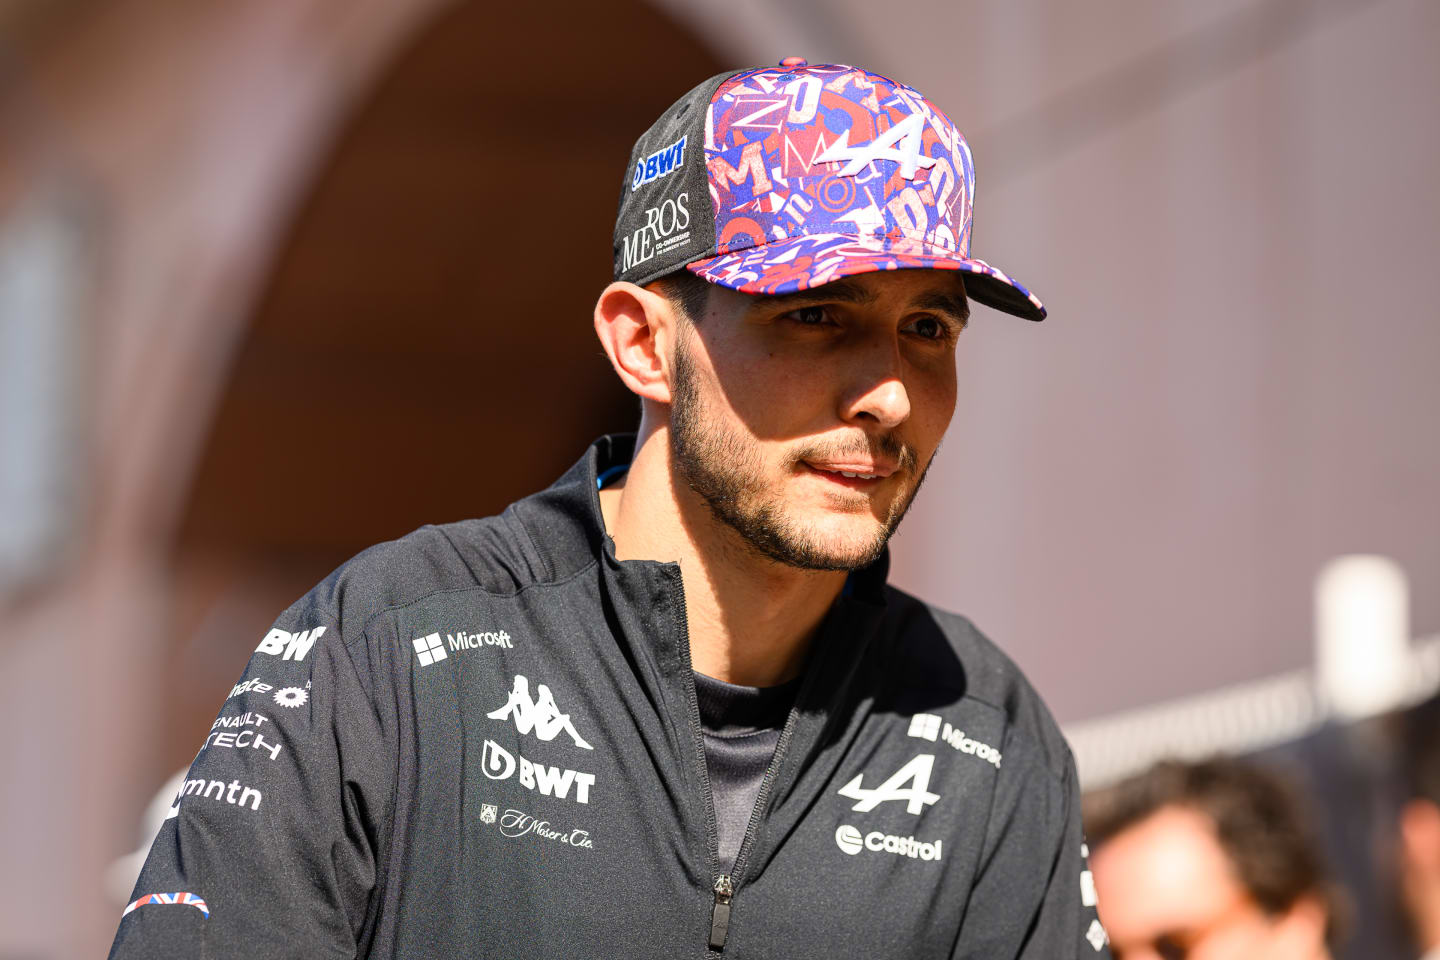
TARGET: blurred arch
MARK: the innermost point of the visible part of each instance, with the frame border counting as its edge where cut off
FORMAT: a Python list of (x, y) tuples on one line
[(422, 350)]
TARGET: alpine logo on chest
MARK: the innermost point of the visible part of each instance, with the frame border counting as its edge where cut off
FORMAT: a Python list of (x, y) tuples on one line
[(911, 783)]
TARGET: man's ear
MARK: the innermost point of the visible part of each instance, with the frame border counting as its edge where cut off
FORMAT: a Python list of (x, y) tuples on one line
[(637, 329), (1301, 929), (1420, 836)]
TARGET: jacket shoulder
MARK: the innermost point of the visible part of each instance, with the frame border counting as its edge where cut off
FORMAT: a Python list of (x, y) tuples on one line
[(936, 647), (491, 554)]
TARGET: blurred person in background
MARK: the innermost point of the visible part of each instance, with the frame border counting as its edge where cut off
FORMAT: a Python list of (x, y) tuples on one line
[(1209, 861), (1419, 853), (670, 704)]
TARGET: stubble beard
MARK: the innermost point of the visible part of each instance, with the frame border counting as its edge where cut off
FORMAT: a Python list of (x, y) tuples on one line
[(726, 470)]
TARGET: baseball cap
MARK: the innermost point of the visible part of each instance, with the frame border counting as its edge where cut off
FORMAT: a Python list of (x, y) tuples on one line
[(776, 179)]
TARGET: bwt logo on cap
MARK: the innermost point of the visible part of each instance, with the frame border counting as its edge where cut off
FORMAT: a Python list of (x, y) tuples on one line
[(659, 164)]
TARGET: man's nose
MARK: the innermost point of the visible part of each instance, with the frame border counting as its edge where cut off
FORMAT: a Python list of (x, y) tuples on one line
[(878, 394)]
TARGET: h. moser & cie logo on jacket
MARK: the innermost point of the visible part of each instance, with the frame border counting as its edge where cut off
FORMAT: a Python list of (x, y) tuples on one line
[(517, 823)]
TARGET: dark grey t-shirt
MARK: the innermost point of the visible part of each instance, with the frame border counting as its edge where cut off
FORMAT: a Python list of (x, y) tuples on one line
[(741, 726)]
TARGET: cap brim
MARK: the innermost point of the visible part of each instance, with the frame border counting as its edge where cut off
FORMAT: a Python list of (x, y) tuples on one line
[(799, 263)]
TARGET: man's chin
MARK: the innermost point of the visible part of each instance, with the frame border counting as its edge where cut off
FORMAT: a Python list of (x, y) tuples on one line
[(835, 543)]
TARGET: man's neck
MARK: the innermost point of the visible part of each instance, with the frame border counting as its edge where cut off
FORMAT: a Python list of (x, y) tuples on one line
[(751, 619)]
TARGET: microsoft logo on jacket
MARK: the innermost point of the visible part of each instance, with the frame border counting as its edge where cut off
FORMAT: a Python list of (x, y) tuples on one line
[(429, 649)]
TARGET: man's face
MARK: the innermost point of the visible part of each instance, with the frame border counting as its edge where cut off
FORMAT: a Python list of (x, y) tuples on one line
[(806, 422), (1167, 891)]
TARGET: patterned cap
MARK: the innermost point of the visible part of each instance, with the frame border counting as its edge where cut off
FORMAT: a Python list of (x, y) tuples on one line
[(812, 173)]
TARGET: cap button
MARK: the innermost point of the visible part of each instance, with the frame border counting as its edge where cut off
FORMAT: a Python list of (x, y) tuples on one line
[(793, 62)]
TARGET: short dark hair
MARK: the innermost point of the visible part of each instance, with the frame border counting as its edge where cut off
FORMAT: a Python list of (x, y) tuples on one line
[(688, 293), (1258, 820)]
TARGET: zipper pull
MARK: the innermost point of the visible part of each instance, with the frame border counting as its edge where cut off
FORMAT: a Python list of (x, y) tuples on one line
[(720, 915)]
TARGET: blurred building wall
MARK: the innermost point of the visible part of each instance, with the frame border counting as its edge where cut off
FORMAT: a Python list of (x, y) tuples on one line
[(181, 133), (330, 291)]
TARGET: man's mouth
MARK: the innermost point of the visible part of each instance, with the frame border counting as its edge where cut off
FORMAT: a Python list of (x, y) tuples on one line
[(856, 476)]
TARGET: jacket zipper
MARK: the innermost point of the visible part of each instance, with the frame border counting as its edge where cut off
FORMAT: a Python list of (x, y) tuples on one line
[(720, 911), (725, 884)]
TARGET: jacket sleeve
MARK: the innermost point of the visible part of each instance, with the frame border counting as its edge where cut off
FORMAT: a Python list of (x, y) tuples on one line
[(271, 846), (1035, 898)]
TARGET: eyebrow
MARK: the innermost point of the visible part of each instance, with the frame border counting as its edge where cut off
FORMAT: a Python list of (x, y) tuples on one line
[(955, 305), (839, 291), (843, 291)]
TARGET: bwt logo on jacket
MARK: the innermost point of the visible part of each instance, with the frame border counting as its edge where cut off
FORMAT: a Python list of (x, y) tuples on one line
[(500, 764), (289, 646), (540, 716)]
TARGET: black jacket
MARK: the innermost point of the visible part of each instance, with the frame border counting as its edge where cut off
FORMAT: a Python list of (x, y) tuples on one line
[(481, 740)]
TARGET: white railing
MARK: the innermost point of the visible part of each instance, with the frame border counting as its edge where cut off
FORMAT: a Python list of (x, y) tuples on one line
[(1239, 719)]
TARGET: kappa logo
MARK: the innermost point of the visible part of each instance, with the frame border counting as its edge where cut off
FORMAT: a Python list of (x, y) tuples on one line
[(289, 646), (659, 164), (540, 716), (900, 144), (917, 796)]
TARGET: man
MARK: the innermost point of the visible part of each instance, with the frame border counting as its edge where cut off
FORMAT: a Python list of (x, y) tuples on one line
[(1209, 861), (669, 706), (1419, 833)]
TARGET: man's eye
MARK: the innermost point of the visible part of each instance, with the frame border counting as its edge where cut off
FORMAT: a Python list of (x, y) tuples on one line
[(930, 328), (1170, 948), (809, 316)]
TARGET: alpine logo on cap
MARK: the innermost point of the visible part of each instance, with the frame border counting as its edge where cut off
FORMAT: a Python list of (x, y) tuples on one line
[(901, 144)]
